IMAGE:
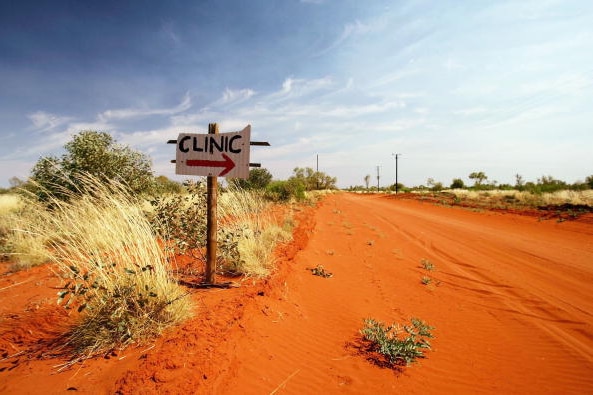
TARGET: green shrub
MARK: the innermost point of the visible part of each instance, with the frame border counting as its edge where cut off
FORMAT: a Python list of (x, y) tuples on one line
[(457, 184), (396, 344), (285, 190), (94, 153), (259, 178), (181, 221)]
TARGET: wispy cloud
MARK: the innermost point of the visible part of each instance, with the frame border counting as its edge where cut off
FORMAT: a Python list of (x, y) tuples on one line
[(231, 96), (350, 30), (297, 88), (131, 113), (44, 121)]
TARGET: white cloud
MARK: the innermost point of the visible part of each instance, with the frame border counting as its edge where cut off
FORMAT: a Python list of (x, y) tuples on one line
[(230, 96), (131, 113), (294, 88), (287, 85), (44, 121)]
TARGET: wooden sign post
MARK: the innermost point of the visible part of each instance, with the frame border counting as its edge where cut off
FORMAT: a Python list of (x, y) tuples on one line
[(212, 226), (214, 155)]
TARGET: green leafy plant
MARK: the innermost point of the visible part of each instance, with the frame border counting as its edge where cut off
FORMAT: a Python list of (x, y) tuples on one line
[(181, 220), (246, 234), (397, 344), (320, 271), (95, 153)]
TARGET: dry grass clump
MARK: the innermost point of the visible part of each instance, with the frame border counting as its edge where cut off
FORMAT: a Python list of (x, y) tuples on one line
[(115, 269), (528, 198), (247, 214), (17, 244), (571, 197), (10, 203)]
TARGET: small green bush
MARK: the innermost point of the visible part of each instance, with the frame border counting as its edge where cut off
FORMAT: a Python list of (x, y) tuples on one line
[(397, 344), (284, 191), (181, 221)]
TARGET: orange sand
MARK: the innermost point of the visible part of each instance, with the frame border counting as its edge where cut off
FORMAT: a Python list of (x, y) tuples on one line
[(510, 298)]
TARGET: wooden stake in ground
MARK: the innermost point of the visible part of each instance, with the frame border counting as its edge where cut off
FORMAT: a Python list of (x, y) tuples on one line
[(211, 241)]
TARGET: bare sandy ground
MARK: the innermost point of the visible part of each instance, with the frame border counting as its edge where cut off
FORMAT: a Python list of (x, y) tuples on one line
[(510, 298)]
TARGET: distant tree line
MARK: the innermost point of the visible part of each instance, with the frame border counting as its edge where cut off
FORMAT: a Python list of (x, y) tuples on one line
[(480, 182)]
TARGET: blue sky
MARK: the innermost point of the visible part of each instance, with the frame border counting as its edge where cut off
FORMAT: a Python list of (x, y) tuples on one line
[(503, 87)]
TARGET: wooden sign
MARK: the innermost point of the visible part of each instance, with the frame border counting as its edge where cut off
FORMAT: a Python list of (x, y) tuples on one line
[(215, 155)]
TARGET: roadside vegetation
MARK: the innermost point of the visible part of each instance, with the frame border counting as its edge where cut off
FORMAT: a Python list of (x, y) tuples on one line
[(395, 344), (115, 233), (555, 198), (116, 275)]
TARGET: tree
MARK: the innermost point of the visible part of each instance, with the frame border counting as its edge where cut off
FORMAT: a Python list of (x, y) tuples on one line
[(311, 179), (400, 187), (457, 183), (367, 180), (15, 182), (259, 178), (589, 181), (435, 186), (96, 154), (478, 177), (550, 184), (519, 182)]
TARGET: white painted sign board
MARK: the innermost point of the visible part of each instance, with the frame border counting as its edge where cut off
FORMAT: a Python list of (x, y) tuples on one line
[(219, 155)]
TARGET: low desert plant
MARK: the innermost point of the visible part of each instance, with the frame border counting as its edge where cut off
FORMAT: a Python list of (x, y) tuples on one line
[(426, 280), (181, 221), (427, 265), (115, 271), (246, 234), (320, 271), (246, 213), (397, 344)]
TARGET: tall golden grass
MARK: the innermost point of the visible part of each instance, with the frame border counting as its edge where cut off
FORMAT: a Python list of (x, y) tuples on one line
[(10, 203), (115, 270), (17, 244), (247, 213)]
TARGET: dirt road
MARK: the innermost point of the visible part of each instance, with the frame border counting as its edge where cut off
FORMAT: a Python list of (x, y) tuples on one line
[(510, 298)]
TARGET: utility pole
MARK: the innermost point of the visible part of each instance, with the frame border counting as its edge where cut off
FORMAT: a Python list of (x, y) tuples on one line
[(317, 170), (396, 186), (378, 178)]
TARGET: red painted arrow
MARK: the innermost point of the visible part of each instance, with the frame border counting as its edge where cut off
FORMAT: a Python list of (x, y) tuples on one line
[(227, 163)]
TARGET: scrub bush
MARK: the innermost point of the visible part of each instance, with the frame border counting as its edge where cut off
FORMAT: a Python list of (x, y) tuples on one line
[(397, 344)]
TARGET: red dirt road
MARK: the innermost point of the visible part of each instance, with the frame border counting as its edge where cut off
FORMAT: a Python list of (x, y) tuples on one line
[(510, 298)]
